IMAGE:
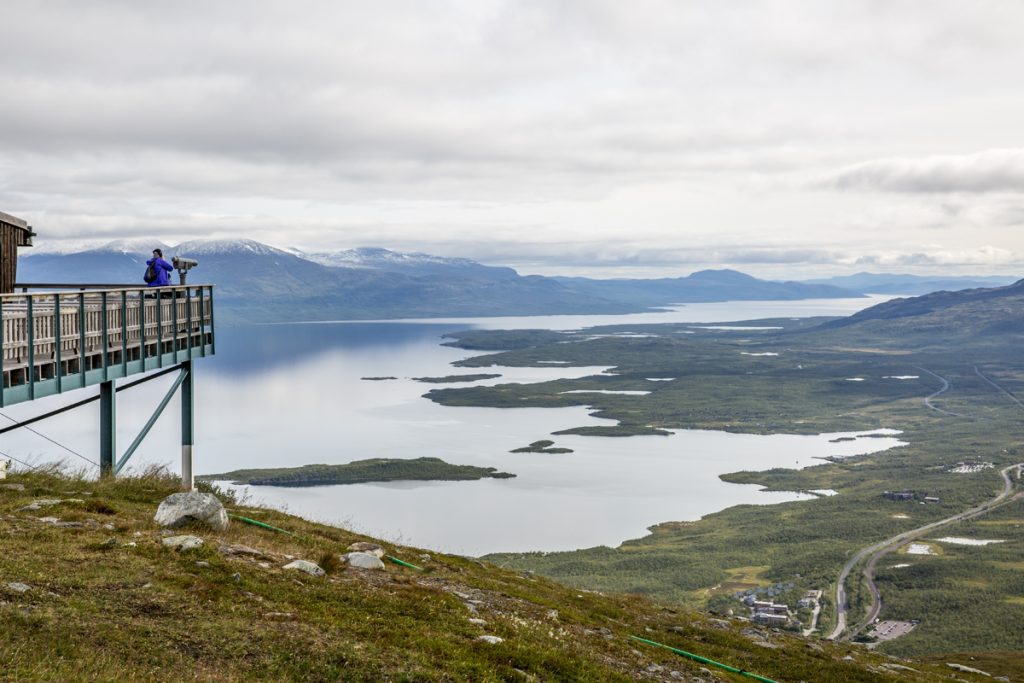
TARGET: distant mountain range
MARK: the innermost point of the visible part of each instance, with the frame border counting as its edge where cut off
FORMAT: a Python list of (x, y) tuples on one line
[(890, 283), (258, 282), (970, 318), (704, 285)]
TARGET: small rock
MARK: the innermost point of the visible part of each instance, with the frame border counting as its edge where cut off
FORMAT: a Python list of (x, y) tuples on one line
[(675, 675), (130, 544), (655, 668), (552, 614), (182, 542), (190, 507), (45, 503), (493, 640), (720, 624), (110, 542), (477, 622), (243, 550), (13, 487), (202, 563), (361, 560), (425, 558), (311, 568), (279, 616), (108, 526), (364, 547), (18, 587), (48, 520), (605, 633), (236, 577), (966, 669)]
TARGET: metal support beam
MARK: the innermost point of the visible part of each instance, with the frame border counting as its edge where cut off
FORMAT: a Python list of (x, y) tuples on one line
[(152, 420), (108, 428), (188, 437)]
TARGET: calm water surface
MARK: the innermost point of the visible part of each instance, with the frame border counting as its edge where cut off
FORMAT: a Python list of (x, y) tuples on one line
[(286, 395)]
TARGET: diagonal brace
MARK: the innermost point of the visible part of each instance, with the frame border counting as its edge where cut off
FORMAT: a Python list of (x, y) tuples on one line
[(152, 420)]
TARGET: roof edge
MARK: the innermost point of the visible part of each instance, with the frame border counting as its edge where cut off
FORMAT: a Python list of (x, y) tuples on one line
[(13, 220)]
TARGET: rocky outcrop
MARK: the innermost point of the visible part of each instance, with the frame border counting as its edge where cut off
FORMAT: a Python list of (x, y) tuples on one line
[(192, 507)]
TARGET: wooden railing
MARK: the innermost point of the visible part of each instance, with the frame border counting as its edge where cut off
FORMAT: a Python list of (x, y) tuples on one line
[(54, 341)]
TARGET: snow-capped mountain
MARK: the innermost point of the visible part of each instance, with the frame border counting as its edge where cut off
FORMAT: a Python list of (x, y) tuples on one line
[(416, 264)]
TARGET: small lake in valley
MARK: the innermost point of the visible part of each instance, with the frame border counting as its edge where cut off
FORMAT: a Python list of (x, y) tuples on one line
[(293, 394)]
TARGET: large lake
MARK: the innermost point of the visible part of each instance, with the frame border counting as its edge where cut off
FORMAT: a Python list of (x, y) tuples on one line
[(284, 395)]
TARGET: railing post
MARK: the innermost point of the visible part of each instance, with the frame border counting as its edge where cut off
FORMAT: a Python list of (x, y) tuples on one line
[(174, 326), (105, 323), (124, 332), (108, 427), (31, 324), (187, 426), (188, 323), (142, 329), (81, 338), (158, 302), (57, 340), (213, 335)]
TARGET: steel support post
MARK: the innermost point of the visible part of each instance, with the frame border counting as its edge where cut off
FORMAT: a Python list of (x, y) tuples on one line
[(187, 426), (108, 428)]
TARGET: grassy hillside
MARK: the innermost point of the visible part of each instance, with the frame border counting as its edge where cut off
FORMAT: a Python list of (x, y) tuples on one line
[(89, 592)]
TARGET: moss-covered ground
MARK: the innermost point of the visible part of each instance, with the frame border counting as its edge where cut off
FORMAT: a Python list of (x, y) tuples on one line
[(106, 601)]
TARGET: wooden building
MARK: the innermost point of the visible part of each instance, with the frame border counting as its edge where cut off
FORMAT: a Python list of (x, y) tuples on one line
[(14, 233)]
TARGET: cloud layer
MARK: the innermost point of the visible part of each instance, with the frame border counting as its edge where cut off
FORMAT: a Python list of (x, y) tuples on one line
[(794, 131)]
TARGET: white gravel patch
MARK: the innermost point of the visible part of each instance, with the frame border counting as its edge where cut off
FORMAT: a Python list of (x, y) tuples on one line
[(956, 540)]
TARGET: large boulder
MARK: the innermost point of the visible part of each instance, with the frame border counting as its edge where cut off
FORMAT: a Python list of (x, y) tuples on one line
[(191, 507), (360, 560)]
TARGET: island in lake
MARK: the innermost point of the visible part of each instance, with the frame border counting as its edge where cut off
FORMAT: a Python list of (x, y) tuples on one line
[(457, 378), (360, 472), (542, 446)]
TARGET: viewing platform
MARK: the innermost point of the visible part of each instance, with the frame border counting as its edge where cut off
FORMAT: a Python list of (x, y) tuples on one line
[(56, 340)]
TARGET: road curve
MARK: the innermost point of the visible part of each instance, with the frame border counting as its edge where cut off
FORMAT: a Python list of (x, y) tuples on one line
[(946, 384), (879, 550)]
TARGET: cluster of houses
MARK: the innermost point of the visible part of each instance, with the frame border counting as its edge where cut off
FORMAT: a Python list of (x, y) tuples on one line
[(769, 613), (910, 495)]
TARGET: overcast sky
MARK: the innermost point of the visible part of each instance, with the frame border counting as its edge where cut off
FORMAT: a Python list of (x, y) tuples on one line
[(650, 137)]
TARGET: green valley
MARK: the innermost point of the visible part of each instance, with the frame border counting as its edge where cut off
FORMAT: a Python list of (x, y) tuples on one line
[(944, 370)]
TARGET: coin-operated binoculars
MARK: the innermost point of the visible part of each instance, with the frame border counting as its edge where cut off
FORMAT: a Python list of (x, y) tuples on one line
[(183, 265)]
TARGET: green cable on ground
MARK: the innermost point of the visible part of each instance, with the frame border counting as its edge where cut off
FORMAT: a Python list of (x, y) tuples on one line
[(705, 660), (262, 524), (403, 563)]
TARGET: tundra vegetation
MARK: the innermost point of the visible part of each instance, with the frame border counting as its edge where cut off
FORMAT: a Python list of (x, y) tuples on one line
[(90, 591), (963, 349)]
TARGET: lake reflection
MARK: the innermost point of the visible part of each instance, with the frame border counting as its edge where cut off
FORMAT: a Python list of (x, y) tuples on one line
[(284, 395)]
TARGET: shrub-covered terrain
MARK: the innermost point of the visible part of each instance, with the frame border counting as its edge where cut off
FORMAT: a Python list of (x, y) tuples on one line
[(88, 591)]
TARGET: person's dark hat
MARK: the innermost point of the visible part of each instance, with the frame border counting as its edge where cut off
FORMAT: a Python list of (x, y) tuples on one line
[(158, 252)]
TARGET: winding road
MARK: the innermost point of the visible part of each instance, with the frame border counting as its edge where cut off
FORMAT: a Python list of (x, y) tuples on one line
[(877, 551), (882, 548), (946, 384)]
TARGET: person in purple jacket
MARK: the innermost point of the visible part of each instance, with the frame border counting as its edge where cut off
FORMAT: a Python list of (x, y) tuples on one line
[(163, 269)]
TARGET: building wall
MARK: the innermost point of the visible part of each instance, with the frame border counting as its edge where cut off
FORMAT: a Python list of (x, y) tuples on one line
[(11, 237), (8, 257)]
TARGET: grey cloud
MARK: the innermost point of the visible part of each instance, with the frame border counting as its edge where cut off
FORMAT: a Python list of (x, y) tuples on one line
[(996, 170)]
